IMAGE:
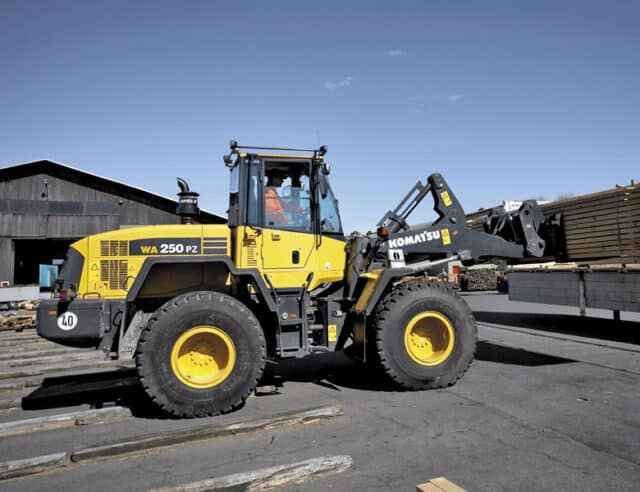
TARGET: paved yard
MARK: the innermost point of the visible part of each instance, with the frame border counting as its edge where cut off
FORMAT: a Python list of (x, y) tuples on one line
[(552, 402)]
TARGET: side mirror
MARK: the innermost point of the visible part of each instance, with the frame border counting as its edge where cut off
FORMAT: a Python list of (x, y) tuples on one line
[(324, 187)]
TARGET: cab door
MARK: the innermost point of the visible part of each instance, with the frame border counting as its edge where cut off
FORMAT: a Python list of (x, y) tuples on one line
[(288, 241)]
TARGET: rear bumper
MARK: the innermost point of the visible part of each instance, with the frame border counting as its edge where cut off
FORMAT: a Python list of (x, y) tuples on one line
[(79, 323)]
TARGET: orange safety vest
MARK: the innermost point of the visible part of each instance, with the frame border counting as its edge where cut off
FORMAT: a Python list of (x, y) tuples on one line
[(273, 206)]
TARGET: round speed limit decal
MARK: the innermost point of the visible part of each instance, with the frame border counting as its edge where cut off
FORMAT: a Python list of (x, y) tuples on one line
[(67, 321)]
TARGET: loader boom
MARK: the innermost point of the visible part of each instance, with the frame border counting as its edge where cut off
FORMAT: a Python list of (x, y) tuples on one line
[(398, 244)]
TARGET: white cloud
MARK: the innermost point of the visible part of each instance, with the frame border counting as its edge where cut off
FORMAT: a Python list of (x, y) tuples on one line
[(335, 84), (454, 98), (395, 53)]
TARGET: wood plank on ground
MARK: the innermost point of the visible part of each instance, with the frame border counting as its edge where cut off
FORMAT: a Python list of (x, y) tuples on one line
[(29, 466), (149, 442), (30, 382), (269, 478), (62, 359), (13, 345), (10, 403), (203, 432), (57, 368), (20, 337), (60, 421), (440, 484), (45, 351), (13, 385)]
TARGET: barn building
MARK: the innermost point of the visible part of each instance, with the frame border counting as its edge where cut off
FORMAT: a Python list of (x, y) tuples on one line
[(45, 206)]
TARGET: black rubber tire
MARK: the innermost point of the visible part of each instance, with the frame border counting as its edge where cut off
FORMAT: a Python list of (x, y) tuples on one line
[(169, 322), (391, 317)]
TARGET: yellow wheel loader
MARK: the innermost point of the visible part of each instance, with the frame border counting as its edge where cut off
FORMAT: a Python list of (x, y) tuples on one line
[(202, 307)]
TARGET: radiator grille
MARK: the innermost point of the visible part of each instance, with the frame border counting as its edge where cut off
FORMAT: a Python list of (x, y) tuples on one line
[(114, 248), (114, 272)]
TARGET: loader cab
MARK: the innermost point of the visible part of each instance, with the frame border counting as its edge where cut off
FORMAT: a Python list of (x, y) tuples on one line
[(284, 216), (283, 192)]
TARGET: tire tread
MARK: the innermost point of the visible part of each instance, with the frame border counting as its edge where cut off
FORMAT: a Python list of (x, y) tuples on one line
[(142, 355), (382, 317)]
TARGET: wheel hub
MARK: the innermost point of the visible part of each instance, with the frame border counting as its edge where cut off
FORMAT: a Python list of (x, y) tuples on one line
[(429, 338), (203, 356)]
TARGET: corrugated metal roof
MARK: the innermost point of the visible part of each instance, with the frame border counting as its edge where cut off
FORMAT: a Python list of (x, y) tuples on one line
[(53, 168)]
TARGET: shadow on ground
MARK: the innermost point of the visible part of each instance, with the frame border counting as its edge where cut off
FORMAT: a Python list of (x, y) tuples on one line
[(333, 370), (97, 390), (491, 352), (600, 328)]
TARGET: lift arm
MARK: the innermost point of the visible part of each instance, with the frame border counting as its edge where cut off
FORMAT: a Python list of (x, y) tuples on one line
[(508, 234)]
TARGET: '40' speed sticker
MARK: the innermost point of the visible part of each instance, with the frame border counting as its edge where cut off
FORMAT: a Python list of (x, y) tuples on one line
[(67, 321)]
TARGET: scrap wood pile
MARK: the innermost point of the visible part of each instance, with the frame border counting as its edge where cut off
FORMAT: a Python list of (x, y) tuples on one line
[(25, 317)]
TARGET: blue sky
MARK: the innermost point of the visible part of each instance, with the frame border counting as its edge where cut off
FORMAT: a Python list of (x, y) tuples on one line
[(508, 100)]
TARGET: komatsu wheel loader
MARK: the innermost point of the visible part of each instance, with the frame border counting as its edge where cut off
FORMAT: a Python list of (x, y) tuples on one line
[(202, 307)]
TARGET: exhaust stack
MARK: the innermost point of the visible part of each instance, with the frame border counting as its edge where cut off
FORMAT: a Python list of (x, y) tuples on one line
[(187, 203)]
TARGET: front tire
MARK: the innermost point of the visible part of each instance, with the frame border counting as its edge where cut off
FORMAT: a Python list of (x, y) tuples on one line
[(423, 336), (201, 353)]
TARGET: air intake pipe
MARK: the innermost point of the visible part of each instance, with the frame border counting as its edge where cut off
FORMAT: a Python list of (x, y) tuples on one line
[(187, 203)]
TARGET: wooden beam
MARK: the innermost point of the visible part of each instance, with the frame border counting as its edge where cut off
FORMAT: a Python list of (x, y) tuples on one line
[(71, 419), (439, 484), (203, 432), (269, 478), (29, 466)]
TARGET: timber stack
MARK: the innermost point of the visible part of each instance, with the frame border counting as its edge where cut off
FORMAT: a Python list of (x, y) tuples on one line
[(599, 225), (594, 227)]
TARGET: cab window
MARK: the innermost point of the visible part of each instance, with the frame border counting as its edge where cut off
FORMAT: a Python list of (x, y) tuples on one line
[(254, 204), (287, 199)]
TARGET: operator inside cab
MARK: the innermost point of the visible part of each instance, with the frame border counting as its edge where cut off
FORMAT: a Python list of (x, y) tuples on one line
[(287, 198)]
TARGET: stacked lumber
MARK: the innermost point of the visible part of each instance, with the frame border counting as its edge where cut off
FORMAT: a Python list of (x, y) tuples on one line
[(600, 225), (593, 227), (475, 220)]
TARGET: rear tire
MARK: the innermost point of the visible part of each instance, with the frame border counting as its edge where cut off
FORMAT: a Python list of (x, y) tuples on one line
[(423, 336), (201, 353)]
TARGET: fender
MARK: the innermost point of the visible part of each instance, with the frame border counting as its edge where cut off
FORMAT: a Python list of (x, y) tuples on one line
[(252, 273), (376, 283)]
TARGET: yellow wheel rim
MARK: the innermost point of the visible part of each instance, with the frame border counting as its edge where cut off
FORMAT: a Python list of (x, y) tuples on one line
[(203, 357), (429, 338)]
